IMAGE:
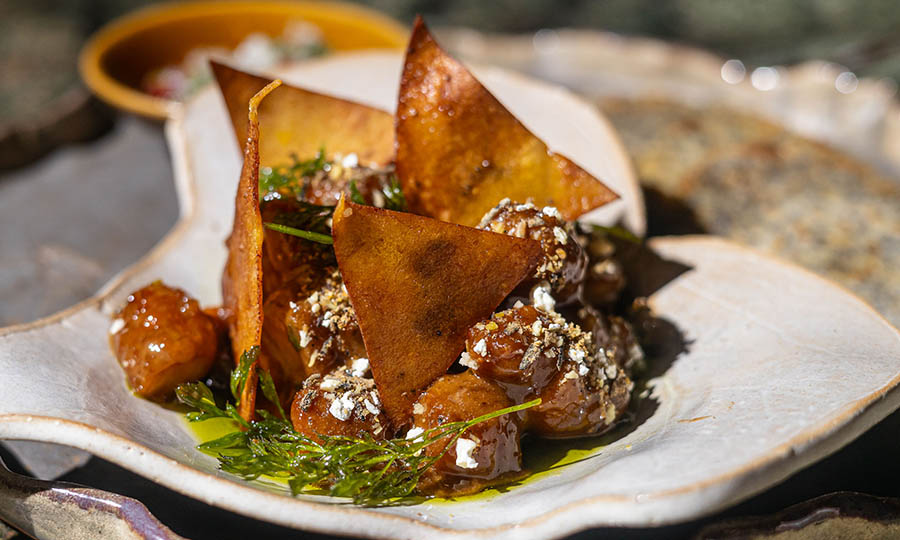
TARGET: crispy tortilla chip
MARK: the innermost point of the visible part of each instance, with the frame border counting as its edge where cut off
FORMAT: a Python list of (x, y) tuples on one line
[(301, 122), (242, 279), (417, 285), (460, 151)]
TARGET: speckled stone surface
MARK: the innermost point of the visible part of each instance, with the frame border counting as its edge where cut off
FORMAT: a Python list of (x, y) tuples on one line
[(750, 180)]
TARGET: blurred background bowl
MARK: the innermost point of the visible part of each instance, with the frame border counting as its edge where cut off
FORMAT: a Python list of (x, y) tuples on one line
[(115, 61)]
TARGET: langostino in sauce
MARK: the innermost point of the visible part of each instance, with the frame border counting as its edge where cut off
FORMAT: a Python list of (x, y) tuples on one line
[(546, 341), (554, 337)]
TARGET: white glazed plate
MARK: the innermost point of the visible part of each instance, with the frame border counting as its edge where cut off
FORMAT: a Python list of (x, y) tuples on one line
[(781, 369)]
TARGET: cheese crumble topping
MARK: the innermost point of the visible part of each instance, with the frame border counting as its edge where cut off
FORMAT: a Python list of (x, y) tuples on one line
[(541, 297), (464, 449)]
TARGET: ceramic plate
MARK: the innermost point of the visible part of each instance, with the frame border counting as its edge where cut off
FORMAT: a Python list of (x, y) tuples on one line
[(778, 369)]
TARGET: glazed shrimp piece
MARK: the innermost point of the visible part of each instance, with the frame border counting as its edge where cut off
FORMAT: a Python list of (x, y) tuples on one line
[(564, 265), (161, 339), (310, 328), (343, 402), (532, 353), (486, 454)]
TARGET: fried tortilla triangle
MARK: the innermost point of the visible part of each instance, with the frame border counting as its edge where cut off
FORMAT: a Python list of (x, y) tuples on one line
[(460, 151), (242, 279), (417, 285), (301, 122)]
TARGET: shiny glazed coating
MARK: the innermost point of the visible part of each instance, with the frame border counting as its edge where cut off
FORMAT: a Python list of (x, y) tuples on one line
[(161, 339), (613, 336), (605, 276), (343, 402), (564, 264), (486, 454), (532, 353), (309, 328)]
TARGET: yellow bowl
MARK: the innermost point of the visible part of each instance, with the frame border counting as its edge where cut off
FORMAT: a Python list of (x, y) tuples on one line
[(116, 58)]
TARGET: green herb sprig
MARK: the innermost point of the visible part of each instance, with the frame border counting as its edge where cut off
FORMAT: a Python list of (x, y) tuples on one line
[(300, 233), (291, 179), (618, 232), (393, 196), (370, 472)]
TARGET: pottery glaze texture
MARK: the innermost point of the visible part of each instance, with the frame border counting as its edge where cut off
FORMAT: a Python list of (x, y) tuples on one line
[(780, 368)]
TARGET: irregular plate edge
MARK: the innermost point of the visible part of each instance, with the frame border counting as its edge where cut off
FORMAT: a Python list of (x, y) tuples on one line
[(779, 463), (656, 509)]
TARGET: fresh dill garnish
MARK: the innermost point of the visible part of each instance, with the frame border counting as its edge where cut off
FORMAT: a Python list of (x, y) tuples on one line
[(239, 376), (355, 195), (300, 233), (370, 472), (311, 221), (393, 195), (291, 179), (308, 221), (306, 214), (618, 232)]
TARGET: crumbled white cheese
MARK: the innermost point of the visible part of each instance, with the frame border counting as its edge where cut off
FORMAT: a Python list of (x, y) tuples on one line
[(304, 338), (576, 354), (371, 407), (551, 211), (611, 371), (360, 366), (537, 327), (464, 449), (350, 160), (480, 347), (465, 360), (329, 383), (326, 319), (414, 434), (570, 375), (116, 326), (583, 369), (610, 413), (541, 297), (341, 408), (560, 235), (418, 408), (523, 207), (518, 304), (520, 230)]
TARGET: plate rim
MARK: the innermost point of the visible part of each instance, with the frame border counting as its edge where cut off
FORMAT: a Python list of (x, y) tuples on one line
[(822, 441), (816, 442)]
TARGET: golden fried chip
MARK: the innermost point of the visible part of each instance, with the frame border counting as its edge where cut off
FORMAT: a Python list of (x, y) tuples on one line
[(242, 279), (301, 122), (460, 151), (417, 284)]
